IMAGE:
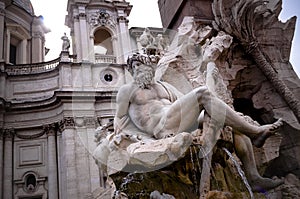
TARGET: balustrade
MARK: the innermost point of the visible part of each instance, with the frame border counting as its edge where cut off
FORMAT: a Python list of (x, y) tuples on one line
[(34, 68)]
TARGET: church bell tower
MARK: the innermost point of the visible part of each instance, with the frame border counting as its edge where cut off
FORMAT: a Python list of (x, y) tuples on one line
[(99, 30)]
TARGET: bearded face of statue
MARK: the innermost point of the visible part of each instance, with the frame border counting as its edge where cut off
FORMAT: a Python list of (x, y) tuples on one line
[(143, 75)]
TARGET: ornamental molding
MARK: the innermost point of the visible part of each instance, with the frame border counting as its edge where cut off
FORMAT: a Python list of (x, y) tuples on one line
[(30, 137), (101, 18), (75, 122), (66, 123), (88, 122)]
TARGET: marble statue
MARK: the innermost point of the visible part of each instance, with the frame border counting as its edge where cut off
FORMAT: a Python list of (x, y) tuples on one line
[(66, 43), (150, 110), (147, 40), (154, 120)]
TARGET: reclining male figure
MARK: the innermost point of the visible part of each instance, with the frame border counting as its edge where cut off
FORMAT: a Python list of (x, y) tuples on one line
[(160, 110)]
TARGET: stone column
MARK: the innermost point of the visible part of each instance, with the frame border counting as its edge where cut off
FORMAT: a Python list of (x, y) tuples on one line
[(37, 46), (83, 34), (125, 39), (91, 146), (2, 16), (60, 164), (52, 162), (91, 47), (1, 162), (117, 49), (8, 164), (69, 175), (77, 38), (23, 54), (7, 46), (82, 162)]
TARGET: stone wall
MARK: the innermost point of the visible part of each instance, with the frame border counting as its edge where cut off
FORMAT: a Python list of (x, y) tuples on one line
[(173, 12)]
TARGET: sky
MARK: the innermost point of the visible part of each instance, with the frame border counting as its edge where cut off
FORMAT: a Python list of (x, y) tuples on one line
[(144, 13)]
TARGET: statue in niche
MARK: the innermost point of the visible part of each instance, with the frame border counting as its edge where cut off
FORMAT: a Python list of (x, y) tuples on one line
[(150, 112), (66, 43)]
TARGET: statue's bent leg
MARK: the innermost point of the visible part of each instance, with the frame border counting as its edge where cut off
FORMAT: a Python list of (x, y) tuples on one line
[(244, 150), (221, 114)]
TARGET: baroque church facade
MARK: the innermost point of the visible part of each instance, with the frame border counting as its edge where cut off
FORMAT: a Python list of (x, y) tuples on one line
[(50, 110)]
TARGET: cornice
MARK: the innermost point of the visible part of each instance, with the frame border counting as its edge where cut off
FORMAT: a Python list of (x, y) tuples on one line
[(57, 99)]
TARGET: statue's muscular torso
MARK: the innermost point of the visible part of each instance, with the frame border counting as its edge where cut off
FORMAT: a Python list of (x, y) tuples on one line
[(148, 107)]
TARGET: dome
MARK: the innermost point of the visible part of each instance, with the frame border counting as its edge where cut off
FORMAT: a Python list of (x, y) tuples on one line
[(25, 4)]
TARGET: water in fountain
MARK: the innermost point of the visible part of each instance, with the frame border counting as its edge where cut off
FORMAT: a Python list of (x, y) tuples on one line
[(241, 172)]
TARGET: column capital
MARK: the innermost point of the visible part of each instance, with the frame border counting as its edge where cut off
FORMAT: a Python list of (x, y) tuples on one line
[(122, 19), (9, 134), (66, 123), (82, 16), (50, 129)]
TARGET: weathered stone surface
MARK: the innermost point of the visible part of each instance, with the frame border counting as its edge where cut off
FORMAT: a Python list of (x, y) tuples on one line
[(141, 156)]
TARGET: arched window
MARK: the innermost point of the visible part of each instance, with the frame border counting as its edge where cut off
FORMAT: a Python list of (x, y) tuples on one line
[(102, 42)]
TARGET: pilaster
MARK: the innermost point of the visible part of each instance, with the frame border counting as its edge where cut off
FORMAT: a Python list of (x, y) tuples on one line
[(7, 46), (69, 175), (83, 34), (52, 161), (37, 43), (8, 163), (2, 19), (1, 161), (124, 36), (77, 38)]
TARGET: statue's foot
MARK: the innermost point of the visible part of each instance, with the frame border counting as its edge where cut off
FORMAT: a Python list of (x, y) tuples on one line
[(263, 184), (266, 131)]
